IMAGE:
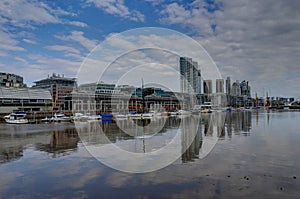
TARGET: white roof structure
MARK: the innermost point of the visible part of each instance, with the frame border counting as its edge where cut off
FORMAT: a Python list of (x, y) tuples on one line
[(24, 93)]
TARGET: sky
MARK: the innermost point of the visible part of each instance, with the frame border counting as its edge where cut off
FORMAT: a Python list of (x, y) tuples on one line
[(257, 41)]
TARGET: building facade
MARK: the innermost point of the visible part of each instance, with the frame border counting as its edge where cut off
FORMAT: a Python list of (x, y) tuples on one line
[(11, 80), (190, 76), (27, 99), (228, 85), (245, 88), (59, 87), (219, 85)]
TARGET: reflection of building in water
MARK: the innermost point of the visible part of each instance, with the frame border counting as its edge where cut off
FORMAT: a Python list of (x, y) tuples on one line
[(238, 122), (190, 134), (13, 144), (219, 120), (106, 133), (60, 142), (207, 123), (10, 154), (220, 124)]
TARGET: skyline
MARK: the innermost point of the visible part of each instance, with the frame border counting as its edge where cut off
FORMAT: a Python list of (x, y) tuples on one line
[(257, 41)]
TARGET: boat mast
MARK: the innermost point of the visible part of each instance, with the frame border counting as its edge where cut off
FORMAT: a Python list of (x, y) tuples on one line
[(143, 99)]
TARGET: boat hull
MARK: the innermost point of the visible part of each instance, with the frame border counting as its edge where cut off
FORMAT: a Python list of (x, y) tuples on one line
[(19, 121)]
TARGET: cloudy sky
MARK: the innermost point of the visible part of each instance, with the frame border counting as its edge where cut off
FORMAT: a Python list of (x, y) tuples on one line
[(257, 40)]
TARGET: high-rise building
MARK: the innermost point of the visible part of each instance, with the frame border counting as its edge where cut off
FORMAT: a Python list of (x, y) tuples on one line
[(60, 87), (207, 86), (245, 89), (219, 85), (228, 85), (190, 76), (235, 89)]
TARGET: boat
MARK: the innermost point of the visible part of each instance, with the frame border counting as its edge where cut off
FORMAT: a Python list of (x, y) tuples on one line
[(134, 115), (206, 110), (60, 117), (86, 117), (106, 115), (173, 113), (147, 115), (184, 112), (120, 116), (16, 118), (206, 107), (47, 119)]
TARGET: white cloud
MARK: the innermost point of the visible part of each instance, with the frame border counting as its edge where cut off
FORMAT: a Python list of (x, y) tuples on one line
[(259, 40), (29, 41), (155, 2), (151, 54), (8, 42), (118, 8), (27, 13), (78, 23), (63, 48), (22, 11), (78, 37), (193, 15)]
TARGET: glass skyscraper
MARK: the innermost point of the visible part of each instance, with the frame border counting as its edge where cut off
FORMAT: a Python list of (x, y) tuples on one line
[(190, 76)]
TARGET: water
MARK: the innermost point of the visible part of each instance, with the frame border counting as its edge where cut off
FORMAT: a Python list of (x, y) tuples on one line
[(256, 155)]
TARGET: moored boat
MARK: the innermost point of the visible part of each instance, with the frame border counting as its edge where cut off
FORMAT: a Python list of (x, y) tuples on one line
[(18, 117), (60, 117)]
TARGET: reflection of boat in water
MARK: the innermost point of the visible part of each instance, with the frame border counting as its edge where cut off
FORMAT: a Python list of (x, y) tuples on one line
[(16, 118)]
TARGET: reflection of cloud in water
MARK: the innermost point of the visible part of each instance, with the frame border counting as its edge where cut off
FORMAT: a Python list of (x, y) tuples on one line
[(118, 179), (8, 179), (87, 177)]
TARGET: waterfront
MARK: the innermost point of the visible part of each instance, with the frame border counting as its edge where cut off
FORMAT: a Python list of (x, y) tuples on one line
[(257, 155)]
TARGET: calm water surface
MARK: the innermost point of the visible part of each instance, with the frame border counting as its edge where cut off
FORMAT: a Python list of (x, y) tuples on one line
[(257, 155)]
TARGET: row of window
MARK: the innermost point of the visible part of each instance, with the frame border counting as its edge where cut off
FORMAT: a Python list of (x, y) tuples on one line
[(7, 100)]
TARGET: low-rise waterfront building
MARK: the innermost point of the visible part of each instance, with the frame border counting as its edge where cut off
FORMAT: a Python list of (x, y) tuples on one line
[(27, 99), (59, 86)]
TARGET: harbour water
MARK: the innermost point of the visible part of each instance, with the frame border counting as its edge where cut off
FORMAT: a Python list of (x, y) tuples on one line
[(256, 155)]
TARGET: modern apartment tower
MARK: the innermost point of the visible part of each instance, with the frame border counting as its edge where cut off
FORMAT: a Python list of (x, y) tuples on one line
[(190, 76), (245, 89), (219, 85), (228, 86), (207, 86)]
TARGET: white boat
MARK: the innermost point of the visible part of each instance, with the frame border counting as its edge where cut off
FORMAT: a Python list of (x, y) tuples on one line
[(85, 117), (92, 117), (147, 115), (206, 110), (47, 119), (173, 113), (16, 118), (60, 117), (135, 115), (184, 112), (120, 116), (158, 114)]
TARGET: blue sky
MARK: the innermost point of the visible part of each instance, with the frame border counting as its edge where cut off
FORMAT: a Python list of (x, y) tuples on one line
[(253, 40)]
